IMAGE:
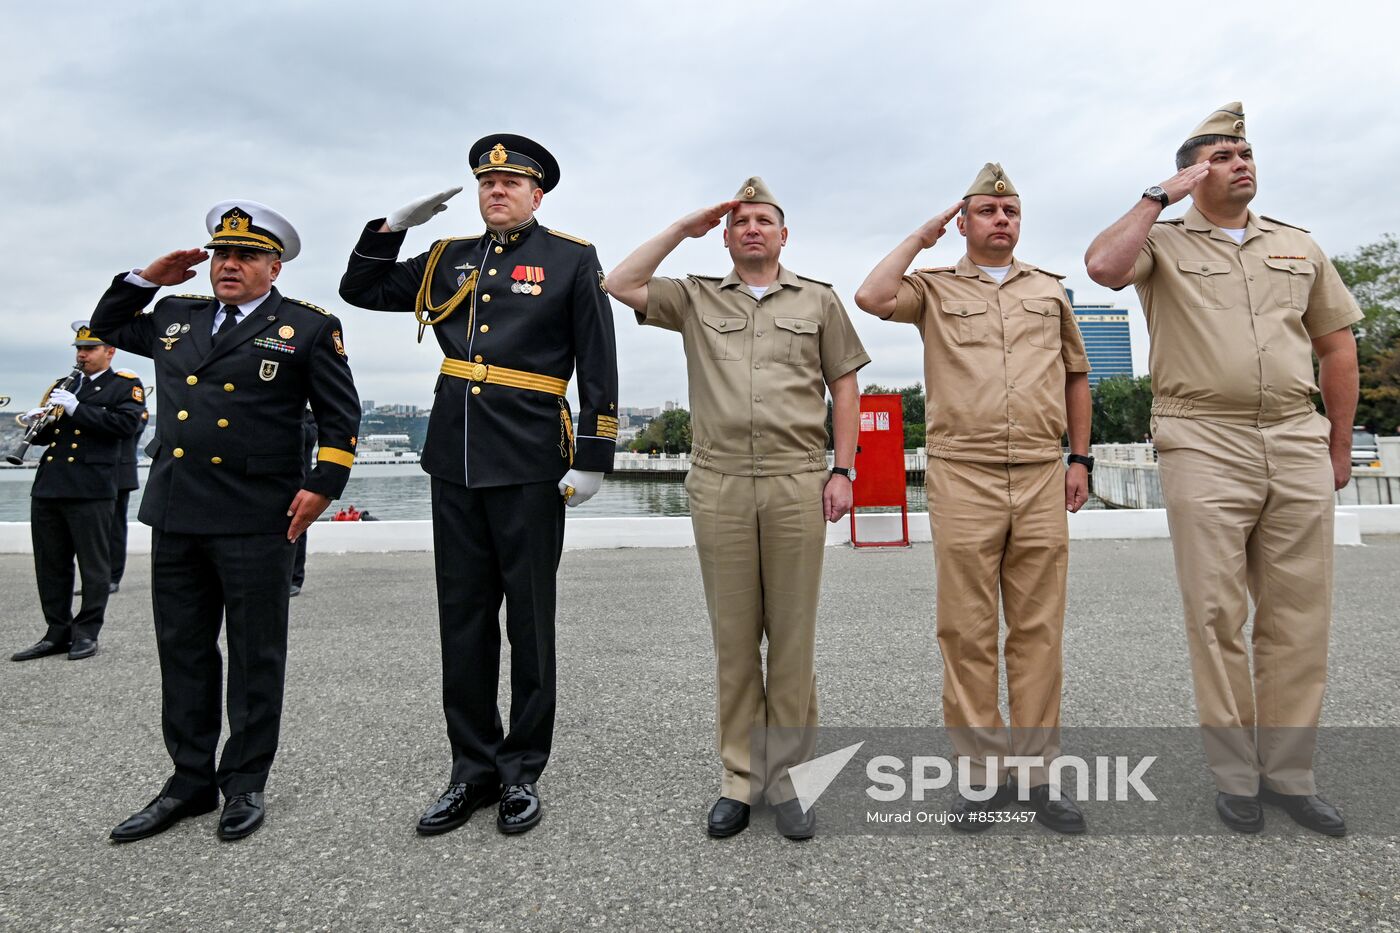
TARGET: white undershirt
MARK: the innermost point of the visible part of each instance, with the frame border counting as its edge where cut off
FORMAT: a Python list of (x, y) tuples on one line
[(1238, 235), (996, 272), (757, 290), (134, 278)]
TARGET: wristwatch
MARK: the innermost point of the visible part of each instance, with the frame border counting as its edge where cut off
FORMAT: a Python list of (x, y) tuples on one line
[(848, 472), (1157, 194), (1087, 461)]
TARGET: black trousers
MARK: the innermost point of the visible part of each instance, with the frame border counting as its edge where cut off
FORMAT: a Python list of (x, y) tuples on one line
[(118, 537), (62, 529), (500, 542), (198, 581), (299, 563)]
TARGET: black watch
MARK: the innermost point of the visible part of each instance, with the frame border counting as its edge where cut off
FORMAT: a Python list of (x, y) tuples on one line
[(1087, 461), (1157, 194), (848, 472)]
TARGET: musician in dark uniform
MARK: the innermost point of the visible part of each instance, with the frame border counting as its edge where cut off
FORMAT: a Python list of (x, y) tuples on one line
[(71, 501), (127, 483), (228, 495), (516, 309)]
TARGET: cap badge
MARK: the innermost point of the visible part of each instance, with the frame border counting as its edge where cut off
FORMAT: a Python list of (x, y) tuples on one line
[(498, 154), (749, 191), (999, 187), (234, 221), (1239, 126)]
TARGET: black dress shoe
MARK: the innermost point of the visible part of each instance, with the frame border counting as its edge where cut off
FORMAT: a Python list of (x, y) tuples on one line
[(40, 649), (965, 814), (455, 807), (243, 814), (295, 590), (1240, 813), (793, 823), (520, 808), (1308, 810), (82, 648), (161, 814), (1063, 815), (727, 818)]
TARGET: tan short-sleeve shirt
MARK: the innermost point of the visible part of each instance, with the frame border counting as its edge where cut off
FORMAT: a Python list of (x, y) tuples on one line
[(1232, 323), (995, 358), (758, 367)]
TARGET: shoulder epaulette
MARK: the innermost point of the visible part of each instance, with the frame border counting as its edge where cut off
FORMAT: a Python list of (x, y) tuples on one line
[(1053, 275), (456, 239), (307, 304), (1171, 220), (938, 269), (707, 278), (1284, 223), (568, 236), (195, 297), (808, 278), (126, 374)]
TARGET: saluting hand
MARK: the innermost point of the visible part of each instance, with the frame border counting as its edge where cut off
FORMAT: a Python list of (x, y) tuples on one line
[(931, 232), (706, 219), (174, 268), (305, 509), (1185, 181), (420, 211)]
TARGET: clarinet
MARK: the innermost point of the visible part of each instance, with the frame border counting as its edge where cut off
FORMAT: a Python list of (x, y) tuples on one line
[(46, 419)]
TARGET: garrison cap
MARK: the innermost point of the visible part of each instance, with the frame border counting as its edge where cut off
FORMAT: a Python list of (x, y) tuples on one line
[(84, 337), (506, 152), (250, 225), (754, 191), (991, 180), (1227, 121)]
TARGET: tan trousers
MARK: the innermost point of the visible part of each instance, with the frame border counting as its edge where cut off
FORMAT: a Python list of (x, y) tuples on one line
[(1251, 515), (761, 541), (1000, 533)]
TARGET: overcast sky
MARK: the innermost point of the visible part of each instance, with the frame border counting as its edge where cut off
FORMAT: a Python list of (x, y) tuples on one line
[(123, 123)]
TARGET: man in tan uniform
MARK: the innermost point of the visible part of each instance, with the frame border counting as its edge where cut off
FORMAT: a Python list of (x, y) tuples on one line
[(1236, 305), (762, 346), (1006, 375)]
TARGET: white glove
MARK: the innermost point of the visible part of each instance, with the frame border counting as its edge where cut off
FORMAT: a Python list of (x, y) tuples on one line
[(63, 397), (422, 210), (33, 415), (577, 487)]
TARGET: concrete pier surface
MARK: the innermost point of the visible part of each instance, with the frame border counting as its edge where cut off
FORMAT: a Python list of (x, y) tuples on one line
[(622, 844)]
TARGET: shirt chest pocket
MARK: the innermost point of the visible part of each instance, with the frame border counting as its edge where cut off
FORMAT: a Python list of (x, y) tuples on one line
[(724, 336), (1042, 321), (1204, 280), (1292, 281), (797, 341), (966, 321)]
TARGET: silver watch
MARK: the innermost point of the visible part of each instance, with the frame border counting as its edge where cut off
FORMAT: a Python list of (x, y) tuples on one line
[(1157, 193), (848, 472)]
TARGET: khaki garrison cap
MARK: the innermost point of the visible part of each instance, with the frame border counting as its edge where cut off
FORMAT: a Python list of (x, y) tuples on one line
[(754, 191), (991, 180), (1227, 121)]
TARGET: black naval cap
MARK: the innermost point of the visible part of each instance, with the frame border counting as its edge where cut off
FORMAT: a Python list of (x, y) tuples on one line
[(506, 152)]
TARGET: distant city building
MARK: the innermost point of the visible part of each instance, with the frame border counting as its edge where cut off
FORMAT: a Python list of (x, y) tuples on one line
[(1106, 339), (366, 406)]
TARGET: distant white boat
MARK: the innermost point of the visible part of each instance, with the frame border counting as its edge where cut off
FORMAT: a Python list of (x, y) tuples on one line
[(385, 449)]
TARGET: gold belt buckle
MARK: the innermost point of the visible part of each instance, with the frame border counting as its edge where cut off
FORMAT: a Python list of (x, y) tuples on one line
[(478, 372)]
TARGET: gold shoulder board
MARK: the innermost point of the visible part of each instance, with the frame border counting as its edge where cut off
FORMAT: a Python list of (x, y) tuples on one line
[(568, 236), (1284, 223), (307, 304), (127, 374), (195, 297)]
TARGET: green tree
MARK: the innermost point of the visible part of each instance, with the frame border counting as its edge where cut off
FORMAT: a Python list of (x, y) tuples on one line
[(1122, 410), (669, 434), (1372, 273)]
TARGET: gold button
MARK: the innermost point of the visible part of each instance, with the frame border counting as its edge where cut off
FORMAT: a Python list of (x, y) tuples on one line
[(76, 432), (178, 452), (478, 357), (47, 459), (478, 372), (228, 386), (499, 250), (182, 415), (485, 297), (70, 459), (223, 422), (216, 459), (74, 446), (191, 380), (53, 444), (476, 390), (485, 328), (492, 272)]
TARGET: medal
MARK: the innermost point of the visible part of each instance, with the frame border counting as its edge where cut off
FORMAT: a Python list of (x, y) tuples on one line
[(184, 328), (172, 330)]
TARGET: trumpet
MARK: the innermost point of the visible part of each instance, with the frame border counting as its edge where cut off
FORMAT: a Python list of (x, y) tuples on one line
[(47, 418)]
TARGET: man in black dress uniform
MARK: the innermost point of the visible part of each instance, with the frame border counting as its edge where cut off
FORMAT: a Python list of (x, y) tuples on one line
[(228, 495), (515, 309), (71, 504)]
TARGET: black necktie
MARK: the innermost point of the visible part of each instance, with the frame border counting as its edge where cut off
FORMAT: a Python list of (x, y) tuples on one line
[(230, 322)]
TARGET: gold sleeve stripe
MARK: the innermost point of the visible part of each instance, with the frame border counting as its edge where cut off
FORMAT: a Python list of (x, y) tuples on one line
[(334, 455), (607, 427)]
